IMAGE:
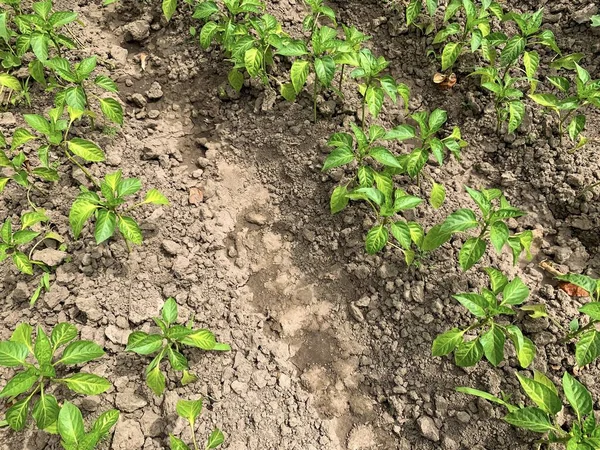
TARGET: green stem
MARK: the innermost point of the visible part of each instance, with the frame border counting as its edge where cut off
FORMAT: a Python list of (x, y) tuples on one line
[(578, 332), (364, 103), (342, 77), (315, 99), (193, 436)]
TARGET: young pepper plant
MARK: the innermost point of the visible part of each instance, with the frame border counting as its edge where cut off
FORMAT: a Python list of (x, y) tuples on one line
[(35, 378), (71, 428), (108, 209), (415, 15), (169, 343), (582, 434), (492, 226), (570, 106), (190, 410), (587, 347), (491, 335)]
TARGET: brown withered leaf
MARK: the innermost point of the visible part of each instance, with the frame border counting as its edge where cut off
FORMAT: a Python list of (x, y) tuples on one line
[(196, 196), (445, 81), (572, 290)]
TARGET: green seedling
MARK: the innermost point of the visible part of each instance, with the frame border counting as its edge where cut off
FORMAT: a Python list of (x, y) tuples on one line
[(472, 32), (347, 52), (108, 209), (490, 335), (544, 418), (12, 91), (423, 20), (320, 59), (190, 410), (28, 390), (428, 142), (13, 242), (169, 343), (71, 428), (318, 9), (587, 347), (73, 88), (507, 98), (168, 6), (569, 107), (374, 85), (495, 210)]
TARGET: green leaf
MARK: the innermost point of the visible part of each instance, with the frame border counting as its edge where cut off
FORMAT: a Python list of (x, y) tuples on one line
[(70, 424), (576, 126), (21, 335), (512, 50), (376, 239), (38, 123), (460, 220), (169, 311), (450, 54), (45, 411), (81, 211), (516, 112), (338, 157), (189, 409), (374, 99), (484, 395), (400, 133), (156, 381), (16, 415), (112, 109), (542, 396), (583, 281), (471, 252), (523, 346), (299, 74), (62, 333), (339, 200), (587, 348), (404, 202), (130, 229), (105, 422), (143, 343), (412, 11), (202, 339), (168, 8), (76, 98), (435, 238), (205, 9), (153, 196), (475, 303), (215, 439), (10, 82), (86, 150), (591, 309), (81, 351), (493, 345), (385, 157), (106, 222), (468, 353), (21, 136), (87, 383), (499, 235), (532, 419), (42, 349), (106, 83), (515, 292), (577, 395), (128, 186), (436, 120), (531, 61), (446, 343), (325, 69), (31, 218), (177, 444), (177, 360), (23, 263), (39, 45), (21, 382), (546, 100), (253, 60)]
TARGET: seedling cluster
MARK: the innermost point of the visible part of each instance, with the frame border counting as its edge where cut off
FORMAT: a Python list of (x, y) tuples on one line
[(381, 169)]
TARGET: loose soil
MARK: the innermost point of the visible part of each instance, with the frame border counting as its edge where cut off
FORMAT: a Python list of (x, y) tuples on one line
[(330, 346)]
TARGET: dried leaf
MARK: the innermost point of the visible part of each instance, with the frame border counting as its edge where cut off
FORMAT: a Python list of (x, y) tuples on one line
[(196, 196), (445, 81), (572, 290)]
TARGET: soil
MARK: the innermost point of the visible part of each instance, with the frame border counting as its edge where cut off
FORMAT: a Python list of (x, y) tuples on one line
[(331, 347)]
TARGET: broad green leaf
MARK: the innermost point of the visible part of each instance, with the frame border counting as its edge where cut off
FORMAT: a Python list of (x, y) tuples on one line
[(531, 61), (497, 279), (436, 120), (516, 112), (435, 238), (202, 339), (39, 45), (587, 348), (493, 345), (29, 219), (591, 309), (76, 98), (401, 133), (45, 411), (21, 382), (515, 292), (112, 109), (42, 348), (236, 79), (215, 439), (106, 222), (22, 335), (105, 422), (169, 311), (143, 343), (10, 82), (374, 99), (16, 415), (177, 360), (253, 60), (177, 444), (168, 8), (546, 100), (155, 197), (128, 186), (86, 150), (499, 234), (81, 351), (524, 348), (38, 123), (338, 157), (339, 200), (130, 229), (576, 126), (205, 9), (577, 395), (484, 395), (450, 54), (541, 395), (468, 353), (385, 157), (532, 419), (446, 342), (376, 239), (460, 220), (412, 11), (437, 196), (70, 424), (583, 281), (20, 137), (513, 48), (471, 252), (325, 69), (106, 83), (475, 303), (298, 74), (156, 381), (62, 333), (86, 383), (189, 409), (81, 210)]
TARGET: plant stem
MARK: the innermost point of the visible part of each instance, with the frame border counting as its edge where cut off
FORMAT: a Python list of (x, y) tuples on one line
[(194, 436), (342, 77), (576, 333), (315, 92), (364, 103)]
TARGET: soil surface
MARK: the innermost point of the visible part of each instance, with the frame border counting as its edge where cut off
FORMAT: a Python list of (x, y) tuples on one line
[(331, 347)]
